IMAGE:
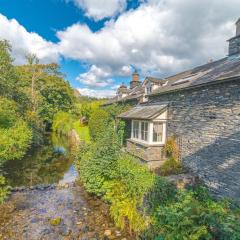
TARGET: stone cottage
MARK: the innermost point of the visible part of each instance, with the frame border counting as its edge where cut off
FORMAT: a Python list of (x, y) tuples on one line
[(132, 95), (201, 107)]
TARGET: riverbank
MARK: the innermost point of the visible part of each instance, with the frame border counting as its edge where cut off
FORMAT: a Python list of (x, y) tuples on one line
[(58, 212)]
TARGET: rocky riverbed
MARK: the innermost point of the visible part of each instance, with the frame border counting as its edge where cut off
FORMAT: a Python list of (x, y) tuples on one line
[(59, 212)]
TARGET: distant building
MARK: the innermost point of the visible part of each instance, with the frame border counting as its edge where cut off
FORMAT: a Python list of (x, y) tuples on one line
[(201, 108), (131, 95)]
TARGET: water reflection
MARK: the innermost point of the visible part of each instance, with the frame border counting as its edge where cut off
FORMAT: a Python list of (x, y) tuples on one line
[(50, 163)]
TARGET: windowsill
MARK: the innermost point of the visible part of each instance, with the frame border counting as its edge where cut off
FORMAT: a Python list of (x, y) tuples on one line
[(145, 144)]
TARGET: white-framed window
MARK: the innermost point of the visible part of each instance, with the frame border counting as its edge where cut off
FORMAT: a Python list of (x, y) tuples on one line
[(144, 131), (135, 129), (150, 132), (157, 132)]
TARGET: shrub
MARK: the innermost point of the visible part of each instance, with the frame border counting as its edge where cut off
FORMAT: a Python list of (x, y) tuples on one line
[(191, 217), (7, 112), (4, 189), (161, 193), (171, 148), (14, 141), (171, 166), (98, 123), (98, 161), (126, 192)]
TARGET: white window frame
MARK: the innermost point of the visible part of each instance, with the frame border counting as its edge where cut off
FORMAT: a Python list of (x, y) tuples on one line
[(150, 132)]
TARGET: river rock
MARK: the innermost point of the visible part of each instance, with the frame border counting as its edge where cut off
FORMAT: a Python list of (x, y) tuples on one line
[(65, 231), (118, 233), (108, 232), (55, 221)]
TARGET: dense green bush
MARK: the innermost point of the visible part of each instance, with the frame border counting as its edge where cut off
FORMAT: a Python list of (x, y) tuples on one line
[(98, 161), (98, 123), (14, 141), (126, 193), (195, 215), (8, 112)]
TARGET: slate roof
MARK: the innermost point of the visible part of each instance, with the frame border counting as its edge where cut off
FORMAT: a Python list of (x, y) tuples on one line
[(145, 112), (218, 71), (133, 94)]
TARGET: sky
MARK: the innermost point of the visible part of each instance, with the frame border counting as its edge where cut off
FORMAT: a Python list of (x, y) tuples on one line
[(99, 43)]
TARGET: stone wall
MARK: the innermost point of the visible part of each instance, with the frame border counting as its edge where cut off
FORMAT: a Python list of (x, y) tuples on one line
[(153, 156), (206, 120)]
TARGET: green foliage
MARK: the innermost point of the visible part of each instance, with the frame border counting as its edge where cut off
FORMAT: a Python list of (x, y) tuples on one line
[(170, 166), (194, 215), (98, 123), (14, 141), (56, 96), (8, 112), (126, 192), (86, 107), (82, 130), (62, 122), (161, 193), (8, 77), (171, 148), (98, 161), (4, 189)]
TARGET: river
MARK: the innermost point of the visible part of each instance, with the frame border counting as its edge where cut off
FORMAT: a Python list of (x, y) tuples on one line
[(49, 203)]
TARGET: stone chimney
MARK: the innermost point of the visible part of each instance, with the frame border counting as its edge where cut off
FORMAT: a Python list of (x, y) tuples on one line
[(238, 27), (135, 80), (234, 43)]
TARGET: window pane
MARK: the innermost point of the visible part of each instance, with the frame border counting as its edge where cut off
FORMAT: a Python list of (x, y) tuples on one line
[(157, 132), (144, 131), (135, 129)]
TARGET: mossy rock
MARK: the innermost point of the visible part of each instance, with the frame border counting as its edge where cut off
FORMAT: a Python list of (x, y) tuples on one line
[(55, 221)]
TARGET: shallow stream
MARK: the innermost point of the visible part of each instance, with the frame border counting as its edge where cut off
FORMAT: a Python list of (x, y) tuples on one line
[(49, 203)]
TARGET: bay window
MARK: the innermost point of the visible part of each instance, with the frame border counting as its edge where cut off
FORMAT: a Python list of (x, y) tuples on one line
[(157, 132), (135, 129), (149, 132)]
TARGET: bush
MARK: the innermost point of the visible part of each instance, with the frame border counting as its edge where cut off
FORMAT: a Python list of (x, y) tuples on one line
[(98, 123), (126, 192), (194, 217), (8, 113), (161, 193), (171, 166), (4, 189), (98, 161), (14, 141)]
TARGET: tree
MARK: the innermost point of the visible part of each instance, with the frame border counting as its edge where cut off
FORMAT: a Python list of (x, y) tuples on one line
[(8, 76)]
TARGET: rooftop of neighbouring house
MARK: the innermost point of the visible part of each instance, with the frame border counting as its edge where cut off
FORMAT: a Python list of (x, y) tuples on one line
[(223, 69), (143, 112)]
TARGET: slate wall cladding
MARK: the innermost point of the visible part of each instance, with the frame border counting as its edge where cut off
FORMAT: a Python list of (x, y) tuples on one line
[(207, 120)]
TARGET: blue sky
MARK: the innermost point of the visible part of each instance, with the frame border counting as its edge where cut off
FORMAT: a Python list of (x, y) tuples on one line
[(98, 43)]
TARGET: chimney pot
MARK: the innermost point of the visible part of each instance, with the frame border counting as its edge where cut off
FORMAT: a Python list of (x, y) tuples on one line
[(234, 43)]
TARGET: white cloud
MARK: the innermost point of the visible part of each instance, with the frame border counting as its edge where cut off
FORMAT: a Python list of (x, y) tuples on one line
[(159, 37), (98, 93), (163, 37), (100, 9), (24, 42), (96, 77)]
